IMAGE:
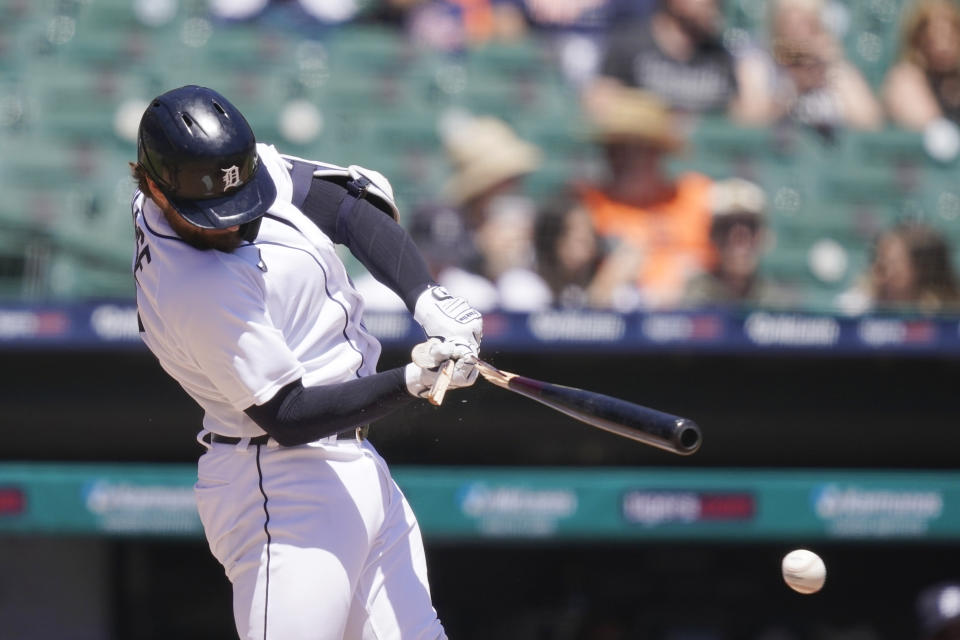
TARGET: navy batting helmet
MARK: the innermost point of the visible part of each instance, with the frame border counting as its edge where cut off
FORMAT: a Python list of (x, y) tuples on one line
[(202, 153)]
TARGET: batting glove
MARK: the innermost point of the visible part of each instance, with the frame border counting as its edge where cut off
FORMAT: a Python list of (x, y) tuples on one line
[(434, 352), (420, 380), (449, 318)]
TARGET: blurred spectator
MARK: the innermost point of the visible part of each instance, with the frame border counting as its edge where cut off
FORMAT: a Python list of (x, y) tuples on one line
[(572, 30), (656, 222), (677, 54), (911, 270), (237, 10), (739, 233), (453, 25), (810, 82), (924, 85), (573, 263), (331, 12), (479, 239), (938, 611), (308, 18), (568, 252), (579, 15), (575, 31), (158, 13)]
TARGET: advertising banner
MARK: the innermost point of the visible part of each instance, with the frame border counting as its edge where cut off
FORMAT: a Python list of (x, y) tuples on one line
[(519, 503)]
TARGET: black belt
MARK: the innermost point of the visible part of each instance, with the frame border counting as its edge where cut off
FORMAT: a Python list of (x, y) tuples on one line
[(360, 433)]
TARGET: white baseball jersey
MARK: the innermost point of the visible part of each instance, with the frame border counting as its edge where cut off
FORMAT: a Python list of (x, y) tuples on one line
[(317, 540), (290, 311)]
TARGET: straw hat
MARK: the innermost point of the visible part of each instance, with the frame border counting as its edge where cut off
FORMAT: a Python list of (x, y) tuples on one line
[(622, 114), (485, 151)]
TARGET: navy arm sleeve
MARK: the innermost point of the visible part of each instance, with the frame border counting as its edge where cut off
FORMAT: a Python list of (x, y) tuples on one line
[(378, 242), (298, 415)]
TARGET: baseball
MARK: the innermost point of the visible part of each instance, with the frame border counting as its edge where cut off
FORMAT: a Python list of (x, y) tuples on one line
[(803, 571)]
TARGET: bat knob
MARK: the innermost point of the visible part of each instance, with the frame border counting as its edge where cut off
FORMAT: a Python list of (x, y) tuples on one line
[(687, 437)]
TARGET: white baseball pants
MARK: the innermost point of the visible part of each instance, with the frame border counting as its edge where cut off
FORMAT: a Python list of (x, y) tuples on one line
[(318, 542)]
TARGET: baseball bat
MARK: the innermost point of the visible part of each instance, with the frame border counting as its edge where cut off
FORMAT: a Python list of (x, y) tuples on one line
[(643, 424), (439, 388)]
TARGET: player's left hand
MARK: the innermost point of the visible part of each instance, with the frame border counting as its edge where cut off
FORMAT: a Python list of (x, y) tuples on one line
[(449, 318), (420, 381), (434, 352)]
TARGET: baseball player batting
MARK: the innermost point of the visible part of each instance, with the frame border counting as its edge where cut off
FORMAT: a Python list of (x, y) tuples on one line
[(243, 300)]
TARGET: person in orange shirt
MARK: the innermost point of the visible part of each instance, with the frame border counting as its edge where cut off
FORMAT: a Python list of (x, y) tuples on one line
[(658, 224)]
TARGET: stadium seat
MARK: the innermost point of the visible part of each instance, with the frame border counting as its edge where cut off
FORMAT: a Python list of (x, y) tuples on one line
[(79, 102), (799, 267), (525, 58), (871, 39), (749, 150), (380, 98), (364, 50), (859, 184), (74, 276), (890, 147)]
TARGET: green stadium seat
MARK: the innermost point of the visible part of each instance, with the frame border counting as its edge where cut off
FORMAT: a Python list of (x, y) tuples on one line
[(871, 40), (565, 138), (527, 58), (549, 179), (852, 184), (240, 46), (80, 102), (787, 265), (750, 150), (940, 202), (21, 257), (118, 14), (365, 50), (49, 162), (39, 225), (717, 137), (891, 147), (792, 266), (99, 40), (367, 94), (850, 226), (414, 133), (72, 276), (381, 99)]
